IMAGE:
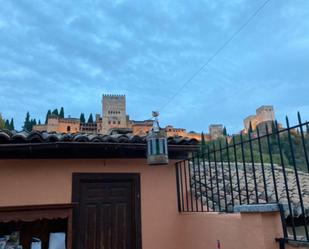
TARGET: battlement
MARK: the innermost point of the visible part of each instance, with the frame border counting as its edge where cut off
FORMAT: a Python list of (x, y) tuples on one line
[(114, 95)]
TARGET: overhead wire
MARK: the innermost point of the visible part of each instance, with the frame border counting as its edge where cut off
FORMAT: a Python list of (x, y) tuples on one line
[(215, 54)]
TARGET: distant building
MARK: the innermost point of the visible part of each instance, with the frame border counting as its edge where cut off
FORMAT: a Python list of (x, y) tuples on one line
[(216, 131), (141, 128), (250, 120), (114, 113), (115, 117), (265, 117)]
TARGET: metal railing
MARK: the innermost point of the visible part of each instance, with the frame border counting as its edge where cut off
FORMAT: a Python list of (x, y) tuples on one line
[(269, 164)]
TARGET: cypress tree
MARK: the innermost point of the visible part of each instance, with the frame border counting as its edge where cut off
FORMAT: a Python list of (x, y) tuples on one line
[(27, 122), (61, 114), (82, 118), (224, 131), (90, 119), (7, 124), (203, 143), (12, 127), (47, 115), (55, 112)]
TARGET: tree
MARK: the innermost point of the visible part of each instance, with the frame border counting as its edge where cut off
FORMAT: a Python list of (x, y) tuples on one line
[(7, 124), (90, 119), (61, 114), (27, 122), (47, 115), (2, 122), (82, 118), (12, 127), (224, 131), (55, 112), (33, 122), (39, 123), (203, 143)]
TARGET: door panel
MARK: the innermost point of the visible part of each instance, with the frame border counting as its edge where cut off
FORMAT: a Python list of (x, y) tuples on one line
[(107, 216)]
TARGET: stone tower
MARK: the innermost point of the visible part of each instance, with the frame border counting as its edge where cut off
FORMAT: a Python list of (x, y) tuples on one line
[(114, 114), (265, 113)]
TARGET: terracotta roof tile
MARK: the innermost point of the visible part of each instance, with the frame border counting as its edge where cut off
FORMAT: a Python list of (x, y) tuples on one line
[(14, 137)]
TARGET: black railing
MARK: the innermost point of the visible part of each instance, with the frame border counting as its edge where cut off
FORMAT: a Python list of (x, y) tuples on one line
[(268, 164)]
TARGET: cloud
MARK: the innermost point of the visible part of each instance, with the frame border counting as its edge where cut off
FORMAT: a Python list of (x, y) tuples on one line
[(67, 53)]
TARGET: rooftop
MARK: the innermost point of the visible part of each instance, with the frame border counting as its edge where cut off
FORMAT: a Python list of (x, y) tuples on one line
[(36, 144)]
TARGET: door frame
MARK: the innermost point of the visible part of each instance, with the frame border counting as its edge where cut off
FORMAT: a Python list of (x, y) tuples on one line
[(134, 178)]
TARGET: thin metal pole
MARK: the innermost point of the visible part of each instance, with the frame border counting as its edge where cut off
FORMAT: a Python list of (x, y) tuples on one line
[(205, 180), (181, 187), (271, 163), (210, 176), (217, 179), (177, 185), (253, 167), (186, 186), (244, 164), (190, 181), (200, 181), (297, 179), (223, 176), (195, 187), (285, 180), (262, 164), (230, 173), (237, 172), (303, 140)]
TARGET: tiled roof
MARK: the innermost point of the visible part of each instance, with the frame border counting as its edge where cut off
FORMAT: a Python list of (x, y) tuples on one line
[(231, 177), (14, 137)]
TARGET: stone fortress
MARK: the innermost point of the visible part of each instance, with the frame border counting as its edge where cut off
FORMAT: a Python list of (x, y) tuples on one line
[(264, 115), (115, 119)]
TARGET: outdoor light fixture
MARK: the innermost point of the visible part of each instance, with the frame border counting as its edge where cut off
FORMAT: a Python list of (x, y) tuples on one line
[(157, 150)]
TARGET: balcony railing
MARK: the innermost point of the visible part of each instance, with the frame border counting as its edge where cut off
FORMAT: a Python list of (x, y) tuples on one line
[(267, 165)]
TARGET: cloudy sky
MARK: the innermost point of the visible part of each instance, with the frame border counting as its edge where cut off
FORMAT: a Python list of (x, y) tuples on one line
[(68, 53)]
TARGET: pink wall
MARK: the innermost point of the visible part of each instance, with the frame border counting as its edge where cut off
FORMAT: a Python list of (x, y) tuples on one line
[(234, 231), (26, 182)]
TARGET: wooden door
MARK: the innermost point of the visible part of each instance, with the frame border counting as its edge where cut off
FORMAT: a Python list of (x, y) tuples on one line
[(108, 211)]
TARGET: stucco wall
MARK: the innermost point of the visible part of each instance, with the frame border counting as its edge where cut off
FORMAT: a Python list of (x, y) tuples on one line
[(50, 182), (26, 182), (233, 231)]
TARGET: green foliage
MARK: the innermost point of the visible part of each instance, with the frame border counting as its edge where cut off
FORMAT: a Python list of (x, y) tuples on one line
[(12, 127), (82, 118), (224, 131), (2, 122), (55, 112), (90, 119), (261, 151), (203, 143), (61, 114), (47, 115), (29, 123), (7, 124)]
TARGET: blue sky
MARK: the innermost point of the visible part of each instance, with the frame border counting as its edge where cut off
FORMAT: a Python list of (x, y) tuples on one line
[(68, 53)]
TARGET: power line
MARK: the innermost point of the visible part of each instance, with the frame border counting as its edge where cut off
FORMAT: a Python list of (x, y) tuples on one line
[(213, 56)]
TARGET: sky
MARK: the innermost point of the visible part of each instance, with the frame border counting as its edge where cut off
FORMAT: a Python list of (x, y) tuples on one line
[(68, 53)]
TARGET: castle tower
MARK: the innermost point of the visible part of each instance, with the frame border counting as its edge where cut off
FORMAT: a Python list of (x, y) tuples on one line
[(265, 113), (114, 114)]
